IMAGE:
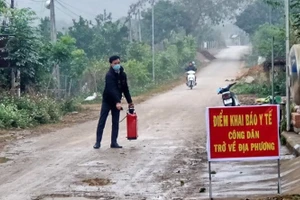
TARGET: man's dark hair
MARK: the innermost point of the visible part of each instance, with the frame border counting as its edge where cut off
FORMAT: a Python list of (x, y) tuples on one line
[(113, 58)]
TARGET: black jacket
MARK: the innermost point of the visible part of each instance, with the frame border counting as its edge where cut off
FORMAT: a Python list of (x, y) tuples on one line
[(188, 68), (115, 85)]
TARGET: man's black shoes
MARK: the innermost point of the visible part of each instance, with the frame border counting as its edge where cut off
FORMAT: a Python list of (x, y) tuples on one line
[(115, 146), (97, 146)]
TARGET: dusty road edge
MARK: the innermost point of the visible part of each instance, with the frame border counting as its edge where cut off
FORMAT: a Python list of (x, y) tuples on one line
[(292, 142)]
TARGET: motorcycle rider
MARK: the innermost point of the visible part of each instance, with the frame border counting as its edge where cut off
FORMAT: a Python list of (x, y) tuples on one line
[(191, 67)]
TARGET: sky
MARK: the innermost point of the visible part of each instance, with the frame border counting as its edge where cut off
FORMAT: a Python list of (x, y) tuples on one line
[(66, 10)]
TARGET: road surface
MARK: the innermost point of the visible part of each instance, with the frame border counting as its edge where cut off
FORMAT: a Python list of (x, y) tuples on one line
[(168, 160)]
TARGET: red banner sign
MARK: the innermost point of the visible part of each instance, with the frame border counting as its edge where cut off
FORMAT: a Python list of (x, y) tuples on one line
[(243, 133)]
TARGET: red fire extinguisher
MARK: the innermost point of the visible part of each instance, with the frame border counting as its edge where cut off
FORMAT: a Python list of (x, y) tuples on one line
[(131, 124)]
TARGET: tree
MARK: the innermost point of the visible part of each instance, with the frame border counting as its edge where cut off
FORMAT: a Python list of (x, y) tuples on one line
[(83, 33), (72, 61), (169, 17), (109, 38), (274, 3), (258, 14), (2, 4), (262, 41), (100, 39), (23, 47), (61, 51), (214, 12), (295, 20), (294, 17), (45, 28), (78, 63), (139, 51)]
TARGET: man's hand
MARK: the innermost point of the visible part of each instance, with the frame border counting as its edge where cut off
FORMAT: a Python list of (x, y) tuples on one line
[(119, 106), (131, 105)]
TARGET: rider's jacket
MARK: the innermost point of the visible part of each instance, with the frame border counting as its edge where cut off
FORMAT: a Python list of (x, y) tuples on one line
[(193, 68)]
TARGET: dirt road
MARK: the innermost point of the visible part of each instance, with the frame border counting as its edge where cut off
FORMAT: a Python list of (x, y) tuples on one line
[(159, 165)]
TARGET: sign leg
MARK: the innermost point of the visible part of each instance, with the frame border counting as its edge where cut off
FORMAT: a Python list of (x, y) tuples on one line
[(210, 185), (279, 181)]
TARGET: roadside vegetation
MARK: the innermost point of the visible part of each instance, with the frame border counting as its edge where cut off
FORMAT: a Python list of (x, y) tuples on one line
[(263, 88), (261, 28), (81, 52), (262, 21)]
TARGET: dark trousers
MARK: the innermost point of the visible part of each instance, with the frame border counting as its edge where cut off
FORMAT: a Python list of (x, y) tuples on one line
[(105, 108)]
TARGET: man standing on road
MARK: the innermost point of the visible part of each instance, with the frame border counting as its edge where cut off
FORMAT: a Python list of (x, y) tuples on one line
[(115, 85)]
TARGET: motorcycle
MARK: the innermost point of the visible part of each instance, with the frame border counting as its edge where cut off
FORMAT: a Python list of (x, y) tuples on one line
[(228, 97), (191, 79)]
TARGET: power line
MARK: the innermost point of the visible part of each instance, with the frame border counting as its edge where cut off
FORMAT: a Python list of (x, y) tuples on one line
[(68, 5), (43, 7), (67, 8), (61, 10)]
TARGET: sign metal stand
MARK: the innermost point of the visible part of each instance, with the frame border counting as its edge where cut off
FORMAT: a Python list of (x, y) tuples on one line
[(210, 179), (210, 184)]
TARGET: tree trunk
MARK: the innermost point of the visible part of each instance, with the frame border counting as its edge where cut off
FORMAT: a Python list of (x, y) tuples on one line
[(18, 83), (13, 81), (58, 81), (70, 86), (48, 85)]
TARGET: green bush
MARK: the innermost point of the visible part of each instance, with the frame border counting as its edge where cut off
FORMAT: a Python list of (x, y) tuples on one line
[(263, 89), (70, 105), (247, 88), (29, 111), (10, 116)]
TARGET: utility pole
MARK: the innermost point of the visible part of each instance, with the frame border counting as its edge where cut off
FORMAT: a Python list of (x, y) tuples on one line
[(12, 74), (15, 72), (52, 20), (270, 14), (287, 48), (130, 28), (139, 24), (153, 50), (136, 28), (56, 70), (273, 70)]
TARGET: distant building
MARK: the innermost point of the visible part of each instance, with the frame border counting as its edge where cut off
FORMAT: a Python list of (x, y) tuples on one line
[(235, 39)]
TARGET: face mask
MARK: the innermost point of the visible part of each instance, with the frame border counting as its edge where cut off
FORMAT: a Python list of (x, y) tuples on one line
[(117, 67)]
